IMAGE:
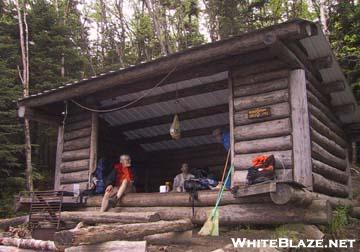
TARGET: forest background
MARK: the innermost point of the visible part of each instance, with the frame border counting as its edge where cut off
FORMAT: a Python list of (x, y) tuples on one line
[(70, 40)]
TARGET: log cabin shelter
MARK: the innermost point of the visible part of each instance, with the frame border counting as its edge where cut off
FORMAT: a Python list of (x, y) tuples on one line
[(277, 90)]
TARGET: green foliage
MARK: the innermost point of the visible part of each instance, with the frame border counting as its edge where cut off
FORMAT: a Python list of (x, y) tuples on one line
[(340, 219), (345, 40)]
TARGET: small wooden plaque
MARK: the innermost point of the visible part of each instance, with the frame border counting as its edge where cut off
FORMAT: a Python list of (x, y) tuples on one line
[(259, 112)]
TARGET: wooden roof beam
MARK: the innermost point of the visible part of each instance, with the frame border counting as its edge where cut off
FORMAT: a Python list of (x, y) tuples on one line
[(336, 86), (322, 62), (184, 134), (344, 109), (172, 95), (297, 29), (218, 109)]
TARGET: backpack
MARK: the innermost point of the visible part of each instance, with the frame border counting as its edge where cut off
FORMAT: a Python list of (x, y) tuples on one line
[(262, 170)]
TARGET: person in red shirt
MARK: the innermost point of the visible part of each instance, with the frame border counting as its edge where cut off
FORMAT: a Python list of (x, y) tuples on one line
[(118, 182)]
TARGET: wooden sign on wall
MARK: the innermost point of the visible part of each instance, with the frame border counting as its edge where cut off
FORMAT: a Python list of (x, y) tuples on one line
[(259, 112)]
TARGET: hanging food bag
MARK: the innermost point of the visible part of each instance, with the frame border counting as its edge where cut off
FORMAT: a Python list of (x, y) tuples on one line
[(175, 128)]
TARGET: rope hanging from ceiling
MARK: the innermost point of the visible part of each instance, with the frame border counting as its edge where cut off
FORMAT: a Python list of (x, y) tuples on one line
[(131, 102)]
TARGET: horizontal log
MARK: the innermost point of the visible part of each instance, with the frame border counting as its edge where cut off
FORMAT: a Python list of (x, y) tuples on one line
[(265, 144), (327, 144), (113, 246), (74, 177), (260, 88), (316, 92), (107, 217), (326, 120), (328, 187), (70, 187), (75, 155), (262, 130), (283, 158), (13, 222), (77, 125), (258, 78), (318, 212), (321, 154), (330, 172), (196, 113), (74, 166), (205, 198), (109, 232), (324, 107), (260, 100), (35, 245), (355, 212), (287, 194), (80, 143), (326, 131), (77, 134), (278, 111)]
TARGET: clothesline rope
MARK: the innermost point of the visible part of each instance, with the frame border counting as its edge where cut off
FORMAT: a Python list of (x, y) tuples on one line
[(128, 104)]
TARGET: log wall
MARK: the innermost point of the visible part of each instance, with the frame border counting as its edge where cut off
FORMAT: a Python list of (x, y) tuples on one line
[(302, 130), (76, 156), (329, 145), (262, 135)]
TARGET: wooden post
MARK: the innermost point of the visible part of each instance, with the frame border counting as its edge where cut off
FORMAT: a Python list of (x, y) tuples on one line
[(59, 151), (302, 165), (93, 143), (231, 122)]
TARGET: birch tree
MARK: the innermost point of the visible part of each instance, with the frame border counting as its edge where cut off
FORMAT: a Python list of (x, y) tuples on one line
[(24, 76)]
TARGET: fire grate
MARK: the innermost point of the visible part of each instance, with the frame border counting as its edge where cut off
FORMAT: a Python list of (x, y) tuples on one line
[(45, 209)]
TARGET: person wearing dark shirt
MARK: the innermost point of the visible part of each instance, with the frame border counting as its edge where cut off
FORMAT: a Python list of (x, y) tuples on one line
[(118, 182)]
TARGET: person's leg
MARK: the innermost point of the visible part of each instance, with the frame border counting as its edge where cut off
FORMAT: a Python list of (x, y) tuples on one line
[(105, 200)]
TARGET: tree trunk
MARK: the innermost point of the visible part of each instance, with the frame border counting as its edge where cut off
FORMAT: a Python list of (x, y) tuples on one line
[(107, 217), (103, 233), (28, 244), (24, 75), (157, 26)]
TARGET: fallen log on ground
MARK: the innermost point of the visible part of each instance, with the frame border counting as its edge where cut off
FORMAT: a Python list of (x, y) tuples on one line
[(170, 238), (206, 198), (108, 217), (109, 232), (286, 194), (113, 246), (28, 243), (318, 212), (6, 223)]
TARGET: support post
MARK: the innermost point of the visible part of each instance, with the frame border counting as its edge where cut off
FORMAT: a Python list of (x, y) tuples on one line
[(59, 151), (302, 164)]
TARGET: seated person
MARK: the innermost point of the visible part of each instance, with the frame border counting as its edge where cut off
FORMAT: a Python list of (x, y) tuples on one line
[(178, 185), (118, 182)]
